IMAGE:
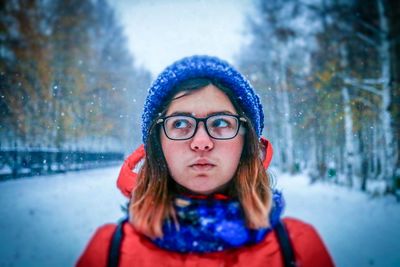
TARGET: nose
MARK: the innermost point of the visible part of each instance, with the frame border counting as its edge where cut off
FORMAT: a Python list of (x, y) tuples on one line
[(201, 141)]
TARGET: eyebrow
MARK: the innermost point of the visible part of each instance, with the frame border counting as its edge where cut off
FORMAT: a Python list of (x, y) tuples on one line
[(208, 114)]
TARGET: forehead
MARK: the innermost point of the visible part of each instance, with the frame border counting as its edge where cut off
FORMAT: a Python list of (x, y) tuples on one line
[(201, 102)]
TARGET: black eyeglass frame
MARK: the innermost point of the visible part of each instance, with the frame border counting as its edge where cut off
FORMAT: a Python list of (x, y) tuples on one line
[(240, 120)]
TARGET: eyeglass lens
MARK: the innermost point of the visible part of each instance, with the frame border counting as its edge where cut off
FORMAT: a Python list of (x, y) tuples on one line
[(218, 126)]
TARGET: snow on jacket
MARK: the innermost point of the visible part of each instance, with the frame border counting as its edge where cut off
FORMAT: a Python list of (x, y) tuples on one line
[(139, 250)]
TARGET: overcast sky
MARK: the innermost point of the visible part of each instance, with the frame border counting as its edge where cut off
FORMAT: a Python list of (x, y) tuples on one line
[(161, 32)]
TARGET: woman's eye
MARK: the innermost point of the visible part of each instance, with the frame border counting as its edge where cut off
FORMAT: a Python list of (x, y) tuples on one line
[(179, 124), (220, 123)]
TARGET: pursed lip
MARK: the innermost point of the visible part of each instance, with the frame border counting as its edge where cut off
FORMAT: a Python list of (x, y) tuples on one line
[(202, 165)]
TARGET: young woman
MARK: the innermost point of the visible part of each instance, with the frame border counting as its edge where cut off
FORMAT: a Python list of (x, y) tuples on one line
[(198, 187)]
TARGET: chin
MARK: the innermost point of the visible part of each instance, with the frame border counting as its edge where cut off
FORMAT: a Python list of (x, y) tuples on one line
[(208, 190), (205, 191)]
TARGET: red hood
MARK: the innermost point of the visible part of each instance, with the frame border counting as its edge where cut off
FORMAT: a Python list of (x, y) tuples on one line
[(127, 177)]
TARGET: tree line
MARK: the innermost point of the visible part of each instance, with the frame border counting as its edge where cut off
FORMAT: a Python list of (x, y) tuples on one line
[(329, 77), (67, 79)]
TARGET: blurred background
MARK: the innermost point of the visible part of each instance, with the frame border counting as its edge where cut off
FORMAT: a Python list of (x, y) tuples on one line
[(74, 76)]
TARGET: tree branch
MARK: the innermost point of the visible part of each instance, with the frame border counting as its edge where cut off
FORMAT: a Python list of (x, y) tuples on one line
[(365, 87)]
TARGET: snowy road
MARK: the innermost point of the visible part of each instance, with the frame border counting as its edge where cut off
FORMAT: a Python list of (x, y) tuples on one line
[(47, 221)]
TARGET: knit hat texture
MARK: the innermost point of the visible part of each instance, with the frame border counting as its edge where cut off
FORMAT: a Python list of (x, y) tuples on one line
[(201, 66)]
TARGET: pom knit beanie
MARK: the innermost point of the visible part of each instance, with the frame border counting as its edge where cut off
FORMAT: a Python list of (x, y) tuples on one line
[(201, 67)]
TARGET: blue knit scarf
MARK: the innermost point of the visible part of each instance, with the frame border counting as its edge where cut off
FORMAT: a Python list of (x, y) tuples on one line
[(210, 225)]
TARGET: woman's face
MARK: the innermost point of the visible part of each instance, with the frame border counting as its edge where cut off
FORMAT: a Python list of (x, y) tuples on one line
[(201, 164)]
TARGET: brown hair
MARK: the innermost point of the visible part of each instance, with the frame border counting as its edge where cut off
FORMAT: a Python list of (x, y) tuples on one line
[(152, 197)]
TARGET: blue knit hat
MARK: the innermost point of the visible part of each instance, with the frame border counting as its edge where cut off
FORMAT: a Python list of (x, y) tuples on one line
[(201, 67)]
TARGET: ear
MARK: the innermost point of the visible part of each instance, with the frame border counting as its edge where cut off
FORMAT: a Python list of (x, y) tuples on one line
[(268, 151), (127, 177)]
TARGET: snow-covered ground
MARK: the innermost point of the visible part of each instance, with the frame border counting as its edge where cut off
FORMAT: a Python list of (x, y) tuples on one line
[(47, 221), (358, 230)]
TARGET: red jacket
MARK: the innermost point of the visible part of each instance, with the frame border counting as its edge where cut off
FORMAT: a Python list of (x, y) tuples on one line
[(138, 250)]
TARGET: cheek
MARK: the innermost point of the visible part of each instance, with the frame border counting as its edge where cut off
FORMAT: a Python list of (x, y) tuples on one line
[(232, 154), (166, 147), (171, 151)]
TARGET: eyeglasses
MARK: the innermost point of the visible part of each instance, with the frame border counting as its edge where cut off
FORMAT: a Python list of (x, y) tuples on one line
[(184, 127)]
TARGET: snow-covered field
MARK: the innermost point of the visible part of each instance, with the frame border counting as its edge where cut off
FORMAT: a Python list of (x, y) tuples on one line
[(358, 230), (47, 221)]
